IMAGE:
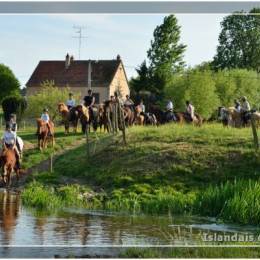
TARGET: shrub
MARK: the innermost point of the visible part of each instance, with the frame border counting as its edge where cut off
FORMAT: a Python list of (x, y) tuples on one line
[(14, 104), (49, 96)]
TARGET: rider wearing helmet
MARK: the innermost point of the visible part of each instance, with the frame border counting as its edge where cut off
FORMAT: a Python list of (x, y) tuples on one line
[(46, 118), (9, 141), (245, 110)]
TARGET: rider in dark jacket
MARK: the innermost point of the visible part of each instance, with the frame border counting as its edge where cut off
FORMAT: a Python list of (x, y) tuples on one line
[(89, 101)]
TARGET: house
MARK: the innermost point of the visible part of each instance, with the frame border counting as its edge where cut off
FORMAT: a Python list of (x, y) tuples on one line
[(104, 77)]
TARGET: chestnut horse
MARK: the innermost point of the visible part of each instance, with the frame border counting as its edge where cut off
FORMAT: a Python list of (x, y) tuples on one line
[(69, 116), (84, 117), (44, 133), (8, 165)]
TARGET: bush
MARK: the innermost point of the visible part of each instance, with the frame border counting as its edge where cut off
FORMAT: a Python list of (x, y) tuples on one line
[(9, 84), (49, 97), (14, 105)]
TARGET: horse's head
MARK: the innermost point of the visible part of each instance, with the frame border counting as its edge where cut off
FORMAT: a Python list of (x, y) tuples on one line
[(83, 111), (62, 107), (40, 125)]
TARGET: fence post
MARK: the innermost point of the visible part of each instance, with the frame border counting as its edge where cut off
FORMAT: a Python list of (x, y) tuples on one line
[(87, 140), (122, 122), (253, 124)]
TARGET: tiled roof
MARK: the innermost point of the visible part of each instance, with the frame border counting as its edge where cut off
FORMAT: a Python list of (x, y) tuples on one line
[(102, 73)]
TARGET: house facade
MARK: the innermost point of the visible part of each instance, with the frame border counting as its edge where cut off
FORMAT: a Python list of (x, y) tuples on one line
[(104, 77)]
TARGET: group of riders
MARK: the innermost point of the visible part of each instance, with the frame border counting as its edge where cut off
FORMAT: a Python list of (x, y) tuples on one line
[(10, 140), (239, 115)]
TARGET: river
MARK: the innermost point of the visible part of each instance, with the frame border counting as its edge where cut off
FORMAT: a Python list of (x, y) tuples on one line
[(26, 232)]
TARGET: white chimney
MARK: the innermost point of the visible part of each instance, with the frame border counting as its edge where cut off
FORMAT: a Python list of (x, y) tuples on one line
[(89, 74), (67, 61)]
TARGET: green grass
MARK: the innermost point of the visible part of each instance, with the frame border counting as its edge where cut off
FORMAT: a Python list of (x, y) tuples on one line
[(191, 253), (171, 168)]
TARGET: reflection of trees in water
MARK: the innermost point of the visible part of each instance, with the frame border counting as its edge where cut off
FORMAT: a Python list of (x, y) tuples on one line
[(72, 227), (9, 212)]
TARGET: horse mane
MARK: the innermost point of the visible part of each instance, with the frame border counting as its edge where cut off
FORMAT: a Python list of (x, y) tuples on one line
[(62, 107)]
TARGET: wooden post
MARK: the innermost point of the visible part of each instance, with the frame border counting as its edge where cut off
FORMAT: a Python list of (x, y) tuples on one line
[(51, 163), (254, 130), (87, 140), (116, 115), (122, 122)]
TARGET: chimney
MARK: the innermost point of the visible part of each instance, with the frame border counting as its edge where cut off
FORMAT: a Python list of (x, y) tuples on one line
[(67, 61), (71, 58), (118, 57), (89, 74)]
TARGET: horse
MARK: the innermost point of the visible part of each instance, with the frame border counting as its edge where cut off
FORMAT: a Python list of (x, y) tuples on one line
[(8, 164), (230, 117), (84, 117), (129, 115), (179, 117), (150, 119), (69, 116), (44, 133)]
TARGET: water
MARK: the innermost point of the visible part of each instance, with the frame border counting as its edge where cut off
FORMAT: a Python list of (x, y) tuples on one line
[(72, 232)]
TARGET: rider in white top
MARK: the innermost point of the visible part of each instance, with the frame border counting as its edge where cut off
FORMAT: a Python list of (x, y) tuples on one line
[(169, 106), (45, 116), (71, 102), (9, 140), (190, 110)]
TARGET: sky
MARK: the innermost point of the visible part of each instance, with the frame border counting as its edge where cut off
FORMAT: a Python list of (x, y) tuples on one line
[(27, 39)]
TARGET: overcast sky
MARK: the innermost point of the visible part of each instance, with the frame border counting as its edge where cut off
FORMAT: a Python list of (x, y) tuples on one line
[(27, 39)]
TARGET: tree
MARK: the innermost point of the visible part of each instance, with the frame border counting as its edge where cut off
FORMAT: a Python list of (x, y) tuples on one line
[(142, 81), (166, 53), (239, 42), (48, 97), (14, 105), (9, 85)]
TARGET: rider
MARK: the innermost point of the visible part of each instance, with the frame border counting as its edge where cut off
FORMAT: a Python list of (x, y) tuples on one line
[(46, 118), (71, 101), (9, 140), (237, 105), (13, 123), (89, 101), (141, 104), (129, 102), (190, 110), (169, 111), (245, 109)]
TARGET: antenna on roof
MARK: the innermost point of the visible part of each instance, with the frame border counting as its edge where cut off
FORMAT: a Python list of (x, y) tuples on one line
[(80, 36)]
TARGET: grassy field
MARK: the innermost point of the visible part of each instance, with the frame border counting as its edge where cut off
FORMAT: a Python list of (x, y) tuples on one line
[(172, 168)]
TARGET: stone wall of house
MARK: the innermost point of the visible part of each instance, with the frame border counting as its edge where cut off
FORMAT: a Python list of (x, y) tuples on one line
[(119, 83), (81, 91)]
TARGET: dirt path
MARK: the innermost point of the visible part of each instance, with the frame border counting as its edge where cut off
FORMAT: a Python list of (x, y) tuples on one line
[(40, 167)]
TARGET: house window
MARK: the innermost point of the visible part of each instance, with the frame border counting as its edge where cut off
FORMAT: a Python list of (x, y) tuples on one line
[(96, 95)]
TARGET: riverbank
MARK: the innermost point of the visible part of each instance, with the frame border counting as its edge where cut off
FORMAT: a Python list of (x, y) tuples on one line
[(211, 171)]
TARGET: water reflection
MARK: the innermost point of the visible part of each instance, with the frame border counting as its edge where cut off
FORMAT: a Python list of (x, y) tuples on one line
[(9, 213), (22, 226)]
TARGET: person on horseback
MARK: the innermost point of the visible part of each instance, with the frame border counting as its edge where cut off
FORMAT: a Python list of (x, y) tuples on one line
[(13, 123), (190, 110), (245, 110), (89, 101), (169, 115), (9, 141), (71, 101), (237, 105), (46, 118), (129, 103)]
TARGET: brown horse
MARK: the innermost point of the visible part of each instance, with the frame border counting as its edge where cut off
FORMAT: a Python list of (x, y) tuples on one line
[(69, 116), (129, 116), (84, 117), (8, 164), (45, 133), (182, 117)]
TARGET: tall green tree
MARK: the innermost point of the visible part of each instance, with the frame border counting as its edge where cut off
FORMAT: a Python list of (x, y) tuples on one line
[(166, 52), (142, 81), (9, 84), (239, 42)]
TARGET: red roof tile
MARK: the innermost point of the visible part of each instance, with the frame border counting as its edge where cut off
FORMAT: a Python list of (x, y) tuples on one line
[(102, 74)]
